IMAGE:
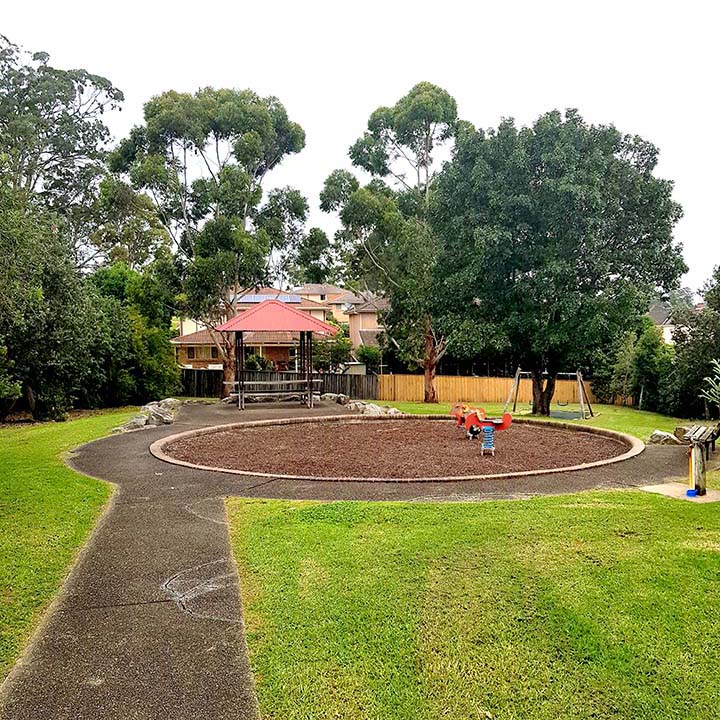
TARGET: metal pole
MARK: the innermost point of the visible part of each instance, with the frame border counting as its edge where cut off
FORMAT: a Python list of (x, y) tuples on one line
[(241, 389)]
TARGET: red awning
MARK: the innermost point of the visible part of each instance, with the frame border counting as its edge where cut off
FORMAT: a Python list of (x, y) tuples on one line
[(275, 316)]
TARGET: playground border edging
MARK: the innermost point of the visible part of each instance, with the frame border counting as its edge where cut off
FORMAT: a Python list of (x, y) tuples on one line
[(157, 449)]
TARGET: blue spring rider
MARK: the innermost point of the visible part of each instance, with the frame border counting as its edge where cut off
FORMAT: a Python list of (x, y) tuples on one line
[(488, 440)]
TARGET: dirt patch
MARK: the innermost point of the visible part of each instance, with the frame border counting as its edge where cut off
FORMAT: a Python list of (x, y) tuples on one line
[(406, 448)]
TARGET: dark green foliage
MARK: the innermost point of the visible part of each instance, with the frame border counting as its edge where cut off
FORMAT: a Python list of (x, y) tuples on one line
[(556, 237), (332, 352), (258, 363), (371, 356)]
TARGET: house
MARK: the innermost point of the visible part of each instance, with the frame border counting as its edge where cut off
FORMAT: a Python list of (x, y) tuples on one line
[(660, 313), (338, 299), (195, 347), (365, 326)]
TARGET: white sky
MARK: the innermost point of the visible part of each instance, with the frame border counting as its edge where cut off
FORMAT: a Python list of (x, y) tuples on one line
[(650, 68)]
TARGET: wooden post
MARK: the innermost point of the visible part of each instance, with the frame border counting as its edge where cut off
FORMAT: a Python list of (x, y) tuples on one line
[(309, 369), (581, 395), (237, 367), (697, 468), (514, 389), (585, 394)]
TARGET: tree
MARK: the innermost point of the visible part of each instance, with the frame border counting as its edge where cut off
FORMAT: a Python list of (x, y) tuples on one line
[(711, 385), (385, 223), (203, 158), (556, 237), (371, 356), (621, 384), (53, 137), (652, 361), (313, 261)]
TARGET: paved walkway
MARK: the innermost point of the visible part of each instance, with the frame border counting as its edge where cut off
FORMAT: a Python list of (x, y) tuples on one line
[(149, 624)]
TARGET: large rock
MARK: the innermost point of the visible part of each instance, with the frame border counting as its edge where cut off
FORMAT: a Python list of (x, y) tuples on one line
[(137, 422), (171, 404), (680, 431), (332, 397), (660, 437), (373, 409), (156, 415)]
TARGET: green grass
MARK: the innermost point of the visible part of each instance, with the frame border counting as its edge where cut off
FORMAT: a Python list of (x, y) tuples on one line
[(613, 417), (598, 605), (46, 512)]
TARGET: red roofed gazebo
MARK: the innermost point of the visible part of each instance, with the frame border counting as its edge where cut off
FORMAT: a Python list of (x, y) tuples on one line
[(276, 316)]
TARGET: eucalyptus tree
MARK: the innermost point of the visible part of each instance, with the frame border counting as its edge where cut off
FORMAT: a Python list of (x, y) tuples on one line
[(203, 159), (53, 138), (555, 239), (385, 229)]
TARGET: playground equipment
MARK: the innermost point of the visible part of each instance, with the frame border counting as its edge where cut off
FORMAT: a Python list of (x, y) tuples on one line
[(476, 424), (586, 411)]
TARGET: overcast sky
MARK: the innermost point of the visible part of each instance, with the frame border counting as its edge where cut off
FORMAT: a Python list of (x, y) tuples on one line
[(650, 68)]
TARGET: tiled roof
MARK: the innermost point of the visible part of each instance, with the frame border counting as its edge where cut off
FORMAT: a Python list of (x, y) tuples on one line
[(370, 337), (369, 306), (319, 289), (659, 313), (274, 316)]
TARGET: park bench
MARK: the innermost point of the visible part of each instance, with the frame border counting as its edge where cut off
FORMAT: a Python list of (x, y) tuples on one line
[(275, 388)]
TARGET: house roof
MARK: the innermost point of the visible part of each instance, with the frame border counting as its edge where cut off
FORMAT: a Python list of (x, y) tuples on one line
[(203, 337), (370, 337), (275, 316), (659, 313), (370, 306), (347, 298), (319, 289)]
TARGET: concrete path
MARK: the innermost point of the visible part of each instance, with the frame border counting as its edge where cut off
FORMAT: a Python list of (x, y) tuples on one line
[(149, 624)]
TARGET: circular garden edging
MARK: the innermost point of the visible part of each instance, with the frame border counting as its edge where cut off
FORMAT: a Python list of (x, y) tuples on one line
[(633, 447)]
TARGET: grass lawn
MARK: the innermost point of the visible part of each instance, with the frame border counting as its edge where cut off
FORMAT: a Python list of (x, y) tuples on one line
[(46, 512), (597, 605), (613, 417)]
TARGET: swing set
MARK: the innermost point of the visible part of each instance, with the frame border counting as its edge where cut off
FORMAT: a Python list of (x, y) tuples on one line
[(586, 411)]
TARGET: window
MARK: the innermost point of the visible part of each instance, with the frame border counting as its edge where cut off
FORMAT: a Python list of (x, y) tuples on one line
[(322, 297), (191, 353), (214, 353)]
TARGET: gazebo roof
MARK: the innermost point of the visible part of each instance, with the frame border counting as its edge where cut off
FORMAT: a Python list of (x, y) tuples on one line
[(276, 316)]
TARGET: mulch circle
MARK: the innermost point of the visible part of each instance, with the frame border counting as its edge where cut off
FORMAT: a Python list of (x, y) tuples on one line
[(406, 448)]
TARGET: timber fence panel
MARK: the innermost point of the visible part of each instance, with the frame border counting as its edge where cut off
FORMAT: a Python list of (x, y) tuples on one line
[(453, 388)]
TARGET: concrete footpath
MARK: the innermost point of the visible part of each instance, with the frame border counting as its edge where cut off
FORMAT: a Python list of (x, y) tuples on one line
[(149, 623)]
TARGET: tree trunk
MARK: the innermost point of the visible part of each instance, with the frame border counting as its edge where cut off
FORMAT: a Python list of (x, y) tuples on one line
[(430, 365), (542, 394), (228, 367)]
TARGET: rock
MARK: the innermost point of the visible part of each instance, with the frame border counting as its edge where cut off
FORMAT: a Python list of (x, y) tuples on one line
[(171, 404), (342, 399), (332, 397), (355, 406), (134, 423), (680, 432), (230, 399), (372, 409), (157, 416), (393, 411), (660, 437), (147, 408)]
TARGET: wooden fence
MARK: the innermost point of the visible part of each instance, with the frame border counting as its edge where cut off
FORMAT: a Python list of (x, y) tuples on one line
[(451, 388), (208, 383)]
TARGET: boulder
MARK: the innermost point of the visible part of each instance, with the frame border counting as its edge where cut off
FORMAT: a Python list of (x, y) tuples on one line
[(136, 422), (171, 404), (342, 399), (393, 411), (230, 399), (660, 437), (356, 406), (158, 416), (680, 432), (332, 397), (373, 409)]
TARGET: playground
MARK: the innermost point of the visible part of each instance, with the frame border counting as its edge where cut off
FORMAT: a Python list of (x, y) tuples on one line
[(396, 448)]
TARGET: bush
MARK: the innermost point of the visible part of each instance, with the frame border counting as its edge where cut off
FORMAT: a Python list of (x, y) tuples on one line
[(258, 363), (371, 356)]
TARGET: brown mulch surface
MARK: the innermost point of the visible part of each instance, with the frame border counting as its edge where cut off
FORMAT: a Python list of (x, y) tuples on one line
[(390, 449)]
